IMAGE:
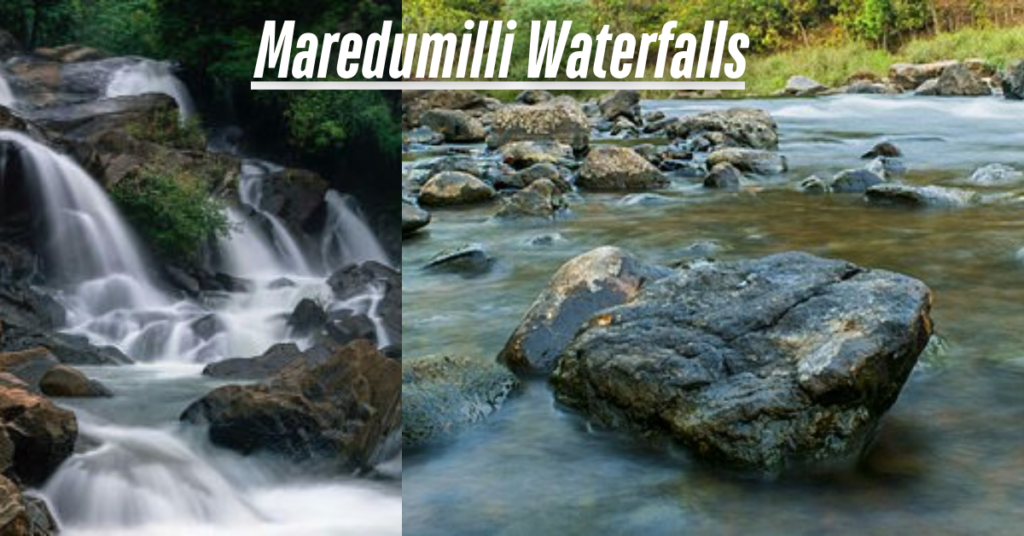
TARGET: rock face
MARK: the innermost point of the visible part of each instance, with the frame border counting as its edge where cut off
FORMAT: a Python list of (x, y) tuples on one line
[(786, 360), (596, 280), (753, 161), (456, 126), (340, 413), (559, 120), (42, 434), (442, 394), (618, 169), (742, 127), (1013, 81), (452, 188)]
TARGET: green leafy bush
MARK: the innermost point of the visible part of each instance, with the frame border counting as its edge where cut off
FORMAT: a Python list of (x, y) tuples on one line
[(165, 127), (324, 121), (41, 22), (171, 209)]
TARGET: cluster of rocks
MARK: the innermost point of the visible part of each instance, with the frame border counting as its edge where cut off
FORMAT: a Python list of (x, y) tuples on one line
[(541, 148), (950, 78)]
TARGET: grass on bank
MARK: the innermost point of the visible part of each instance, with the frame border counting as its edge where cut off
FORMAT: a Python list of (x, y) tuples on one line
[(833, 65)]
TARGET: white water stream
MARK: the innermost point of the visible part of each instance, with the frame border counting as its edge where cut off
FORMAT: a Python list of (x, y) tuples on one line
[(144, 473)]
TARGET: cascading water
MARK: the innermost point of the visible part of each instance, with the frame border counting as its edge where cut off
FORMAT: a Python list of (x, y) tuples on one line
[(149, 76), (6, 95), (151, 476), (347, 237)]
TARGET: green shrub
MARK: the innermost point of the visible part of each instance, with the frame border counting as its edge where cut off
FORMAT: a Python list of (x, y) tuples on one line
[(326, 121), (165, 127), (171, 209)]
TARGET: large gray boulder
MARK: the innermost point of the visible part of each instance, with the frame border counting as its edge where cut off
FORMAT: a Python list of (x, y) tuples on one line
[(586, 284), (442, 395), (452, 188), (955, 81), (762, 364), (758, 162), (908, 76), (455, 125), (740, 127), (559, 120), (610, 168)]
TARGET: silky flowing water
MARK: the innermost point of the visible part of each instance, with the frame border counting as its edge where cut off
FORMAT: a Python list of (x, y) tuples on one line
[(137, 470), (950, 457)]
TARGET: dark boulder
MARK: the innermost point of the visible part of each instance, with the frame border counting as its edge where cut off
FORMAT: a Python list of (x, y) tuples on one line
[(455, 125), (467, 260), (43, 435), (64, 381), (541, 199), (1013, 81), (307, 318), (414, 218), (624, 103), (724, 176), (274, 360), (762, 364), (341, 414)]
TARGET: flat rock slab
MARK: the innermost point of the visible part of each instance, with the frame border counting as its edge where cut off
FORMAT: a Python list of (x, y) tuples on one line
[(762, 364)]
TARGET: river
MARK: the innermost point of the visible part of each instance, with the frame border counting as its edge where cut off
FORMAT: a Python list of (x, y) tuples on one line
[(948, 460)]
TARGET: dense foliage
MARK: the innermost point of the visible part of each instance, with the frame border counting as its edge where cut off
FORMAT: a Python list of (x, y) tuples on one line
[(771, 24), (172, 209)]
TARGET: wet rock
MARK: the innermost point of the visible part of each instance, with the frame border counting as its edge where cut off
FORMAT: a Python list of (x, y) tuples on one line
[(207, 326), (611, 168), (423, 136), (346, 327), (758, 162), (586, 284), (293, 195), (64, 381), (920, 196), (414, 218), (467, 260), (523, 154), (885, 148), (339, 414), (956, 81), (29, 365), (42, 433), (761, 364), (870, 88), (522, 179), (480, 169), (559, 120), (373, 277), (928, 88), (622, 104), (887, 168), (656, 115), (541, 199), (854, 181), (644, 200), (724, 176), (442, 395), (274, 360), (815, 185), (624, 128), (534, 96), (908, 76), (802, 86), (741, 127), (1013, 81), (996, 175), (456, 126), (415, 103), (453, 188), (307, 318)]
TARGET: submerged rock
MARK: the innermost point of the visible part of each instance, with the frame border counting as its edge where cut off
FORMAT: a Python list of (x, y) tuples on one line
[(764, 364), (442, 395), (920, 196), (452, 188), (593, 281), (742, 127), (467, 260), (996, 175), (724, 176), (612, 168), (559, 120), (339, 414), (854, 181), (758, 162)]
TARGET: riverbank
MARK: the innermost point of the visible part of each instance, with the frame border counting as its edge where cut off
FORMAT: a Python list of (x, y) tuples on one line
[(548, 459)]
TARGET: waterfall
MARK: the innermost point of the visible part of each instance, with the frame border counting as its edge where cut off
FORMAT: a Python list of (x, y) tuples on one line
[(347, 238), (149, 76), (6, 95), (250, 193)]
